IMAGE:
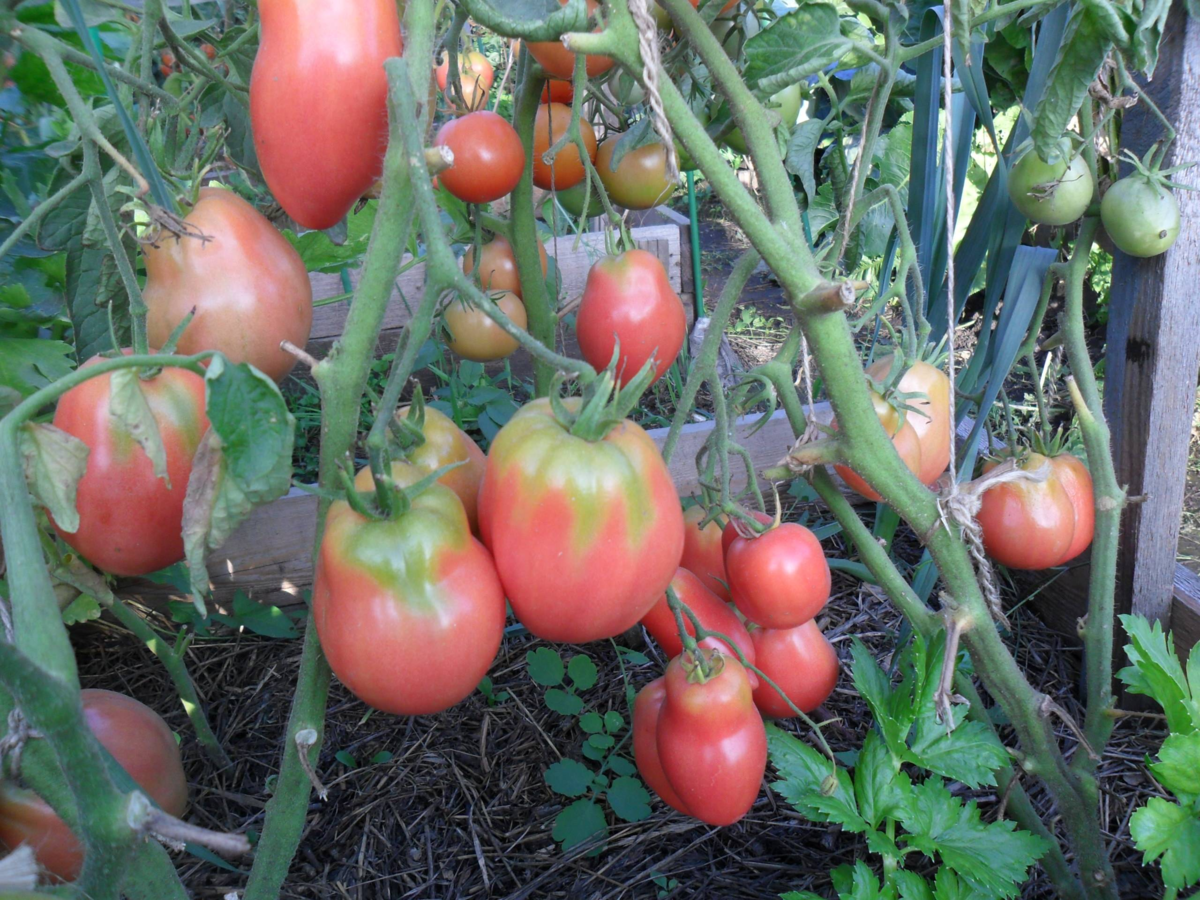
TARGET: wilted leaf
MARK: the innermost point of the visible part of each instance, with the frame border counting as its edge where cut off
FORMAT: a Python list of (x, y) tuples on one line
[(54, 462), (128, 407), (1084, 48)]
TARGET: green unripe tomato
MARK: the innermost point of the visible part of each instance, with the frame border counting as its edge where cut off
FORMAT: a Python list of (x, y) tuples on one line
[(786, 103), (1055, 193), (1141, 216), (572, 200)]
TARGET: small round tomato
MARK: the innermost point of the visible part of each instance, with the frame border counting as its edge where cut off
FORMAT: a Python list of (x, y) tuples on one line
[(713, 612), (1027, 524), (904, 439), (1055, 193), (246, 284), (1076, 480), (557, 91), (130, 522), (800, 661), (640, 180), (475, 76), (488, 157), (628, 300), (704, 552), (1141, 216), (779, 579), (586, 534), (476, 337), (498, 265), (730, 533), (710, 738), (559, 62), (139, 740), (409, 610), (445, 444), (568, 170), (646, 709), (929, 415)]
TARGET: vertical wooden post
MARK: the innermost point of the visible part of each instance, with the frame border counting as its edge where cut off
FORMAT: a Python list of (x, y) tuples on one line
[(1154, 342)]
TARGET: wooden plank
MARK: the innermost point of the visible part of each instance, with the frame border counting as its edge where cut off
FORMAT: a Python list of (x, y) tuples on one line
[(1154, 344)]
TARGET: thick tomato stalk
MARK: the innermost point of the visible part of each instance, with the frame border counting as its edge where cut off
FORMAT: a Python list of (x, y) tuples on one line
[(628, 300), (409, 610), (904, 438), (710, 741), (713, 612), (800, 661), (929, 414), (318, 102), (704, 551), (246, 283), (498, 265), (779, 579), (488, 157), (586, 534), (139, 740), (130, 521)]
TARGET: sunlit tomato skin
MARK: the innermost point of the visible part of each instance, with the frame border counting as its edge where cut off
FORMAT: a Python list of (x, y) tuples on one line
[(475, 76), (318, 102), (139, 740), (557, 91), (130, 521), (779, 579), (498, 265), (409, 610), (568, 170), (711, 741), (1141, 216), (559, 62), (800, 661), (729, 532), (628, 299), (1076, 480), (1026, 524), (704, 552), (640, 180), (929, 416), (1055, 193), (646, 708), (488, 157), (586, 535), (904, 439), (713, 612), (474, 336), (247, 284)]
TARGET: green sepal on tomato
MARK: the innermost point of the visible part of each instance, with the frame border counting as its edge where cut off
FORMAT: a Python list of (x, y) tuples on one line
[(704, 550), (780, 578), (800, 661), (409, 610), (713, 612), (586, 534), (130, 520)]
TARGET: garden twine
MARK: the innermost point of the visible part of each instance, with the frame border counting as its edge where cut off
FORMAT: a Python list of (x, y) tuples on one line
[(648, 45)]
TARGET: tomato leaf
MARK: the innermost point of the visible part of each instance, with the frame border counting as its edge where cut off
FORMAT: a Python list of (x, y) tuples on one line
[(582, 671), (1084, 47), (563, 703), (795, 46), (54, 462), (912, 886), (629, 799), (579, 822), (28, 364), (569, 778), (640, 134), (545, 666), (1165, 829), (127, 405), (801, 147), (260, 618)]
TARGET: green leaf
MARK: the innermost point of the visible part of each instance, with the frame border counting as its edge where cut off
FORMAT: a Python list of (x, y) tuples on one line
[(613, 721), (582, 671), (1082, 53), (880, 787), (948, 886), (569, 778), (799, 158), (94, 13), (381, 757), (260, 618), (795, 46), (911, 886), (320, 254), (563, 703), (579, 822), (346, 759), (1178, 766), (29, 364), (591, 722), (602, 741), (593, 753), (1165, 829), (803, 772), (629, 799), (863, 885), (621, 766), (640, 134), (876, 689), (1147, 34), (545, 666), (127, 405), (83, 608), (1156, 671), (54, 462)]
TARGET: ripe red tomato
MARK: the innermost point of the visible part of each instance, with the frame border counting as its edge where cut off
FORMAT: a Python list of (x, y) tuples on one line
[(409, 610), (445, 444), (1027, 524), (130, 521), (488, 157), (498, 265), (779, 579), (557, 91), (318, 102), (704, 552), (640, 180), (586, 535), (710, 739), (475, 336), (929, 415), (475, 76), (801, 661), (209, 50), (713, 613), (628, 298), (559, 62), (904, 439), (144, 746), (1077, 482), (729, 532), (247, 284), (568, 170), (646, 709)]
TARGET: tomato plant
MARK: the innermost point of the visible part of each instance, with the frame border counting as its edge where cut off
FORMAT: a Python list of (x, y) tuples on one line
[(318, 102), (498, 266), (730, 532), (1054, 193), (1140, 215), (488, 157), (780, 578), (713, 612), (475, 75), (801, 661), (640, 180), (1077, 482), (904, 439), (568, 169), (704, 551), (1027, 524), (557, 91)]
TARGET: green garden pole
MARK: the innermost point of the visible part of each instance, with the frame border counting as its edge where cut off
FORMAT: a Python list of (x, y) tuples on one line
[(697, 281)]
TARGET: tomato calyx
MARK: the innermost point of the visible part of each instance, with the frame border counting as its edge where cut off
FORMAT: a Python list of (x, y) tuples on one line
[(604, 406), (407, 432), (702, 664), (750, 528), (391, 499)]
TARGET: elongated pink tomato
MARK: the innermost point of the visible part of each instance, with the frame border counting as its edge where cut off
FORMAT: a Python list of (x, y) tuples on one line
[(409, 610), (246, 283), (703, 550), (713, 612), (779, 579), (318, 102), (628, 299), (586, 534), (646, 709)]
